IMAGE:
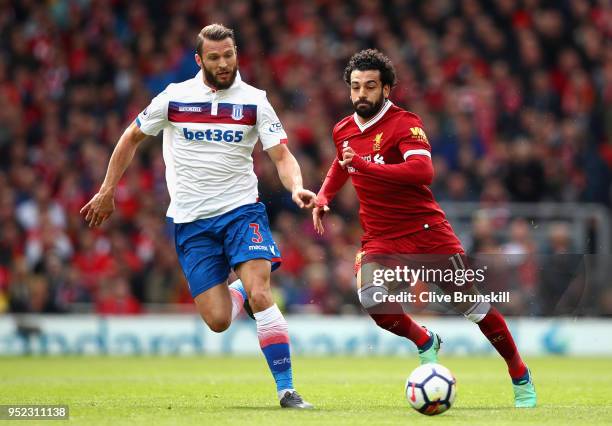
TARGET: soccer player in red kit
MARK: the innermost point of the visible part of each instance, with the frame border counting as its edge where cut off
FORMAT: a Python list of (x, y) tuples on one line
[(385, 152)]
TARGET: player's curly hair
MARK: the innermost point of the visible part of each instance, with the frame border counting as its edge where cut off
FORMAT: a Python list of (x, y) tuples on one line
[(371, 59)]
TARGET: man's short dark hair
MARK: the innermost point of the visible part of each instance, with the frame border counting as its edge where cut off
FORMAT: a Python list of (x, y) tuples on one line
[(215, 32), (371, 59)]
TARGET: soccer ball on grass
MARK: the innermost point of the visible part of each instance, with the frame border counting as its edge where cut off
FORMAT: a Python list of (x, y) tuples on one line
[(431, 389)]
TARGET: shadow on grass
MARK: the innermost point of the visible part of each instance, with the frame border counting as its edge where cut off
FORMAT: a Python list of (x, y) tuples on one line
[(317, 409), (497, 407), (264, 408)]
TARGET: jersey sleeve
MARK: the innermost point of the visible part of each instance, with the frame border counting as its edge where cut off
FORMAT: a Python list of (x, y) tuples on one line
[(269, 127), (413, 140), (155, 116), (335, 138), (334, 181)]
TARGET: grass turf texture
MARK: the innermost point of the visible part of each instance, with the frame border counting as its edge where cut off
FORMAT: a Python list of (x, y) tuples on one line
[(349, 391)]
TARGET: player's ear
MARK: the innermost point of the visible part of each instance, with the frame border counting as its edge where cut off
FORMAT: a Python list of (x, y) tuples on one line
[(386, 91), (198, 59)]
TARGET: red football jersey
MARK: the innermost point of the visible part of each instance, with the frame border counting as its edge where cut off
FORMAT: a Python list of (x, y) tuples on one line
[(389, 209)]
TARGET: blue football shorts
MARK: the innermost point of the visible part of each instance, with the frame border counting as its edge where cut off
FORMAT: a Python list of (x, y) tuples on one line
[(208, 248)]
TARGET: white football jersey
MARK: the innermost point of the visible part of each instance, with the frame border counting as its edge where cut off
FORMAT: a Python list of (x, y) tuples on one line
[(209, 136)]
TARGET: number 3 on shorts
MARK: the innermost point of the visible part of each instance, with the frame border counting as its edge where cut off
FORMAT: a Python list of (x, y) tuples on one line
[(257, 237)]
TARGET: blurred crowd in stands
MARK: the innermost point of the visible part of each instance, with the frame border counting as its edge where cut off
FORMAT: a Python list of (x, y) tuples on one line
[(516, 97)]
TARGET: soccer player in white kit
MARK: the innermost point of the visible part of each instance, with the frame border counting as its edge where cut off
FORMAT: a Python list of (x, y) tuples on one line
[(210, 125)]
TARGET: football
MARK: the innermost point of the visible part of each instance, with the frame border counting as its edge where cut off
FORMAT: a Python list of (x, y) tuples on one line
[(431, 389)]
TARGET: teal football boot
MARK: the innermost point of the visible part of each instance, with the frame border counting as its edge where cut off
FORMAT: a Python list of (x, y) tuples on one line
[(524, 391), (430, 355)]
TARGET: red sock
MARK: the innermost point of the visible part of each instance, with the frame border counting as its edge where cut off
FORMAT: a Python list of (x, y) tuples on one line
[(402, 325), (494, 327)]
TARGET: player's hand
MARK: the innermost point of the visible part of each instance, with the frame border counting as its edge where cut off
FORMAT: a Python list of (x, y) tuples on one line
[(347, 156), (304, 198), (98, 209), (317, 218)]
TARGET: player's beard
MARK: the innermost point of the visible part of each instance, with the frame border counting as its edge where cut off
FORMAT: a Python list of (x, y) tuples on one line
[(366, 109), (213, 81)]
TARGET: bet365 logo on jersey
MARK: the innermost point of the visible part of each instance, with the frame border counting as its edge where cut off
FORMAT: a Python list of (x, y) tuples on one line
[(213, 135)]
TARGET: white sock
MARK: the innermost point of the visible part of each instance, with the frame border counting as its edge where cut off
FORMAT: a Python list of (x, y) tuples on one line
[(273, 335), (237, 302)]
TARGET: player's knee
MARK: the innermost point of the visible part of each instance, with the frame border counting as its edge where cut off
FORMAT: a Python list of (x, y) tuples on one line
[(216, 322), (260, 298), (477, 311), (218, 325), (371, 295)]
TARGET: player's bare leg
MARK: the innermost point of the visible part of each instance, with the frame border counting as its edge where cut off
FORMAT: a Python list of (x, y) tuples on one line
[(215, 307), (220, 305), (272, 329), (255, 276)]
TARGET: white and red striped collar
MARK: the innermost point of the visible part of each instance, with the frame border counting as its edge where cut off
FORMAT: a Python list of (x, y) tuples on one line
[(372, 121)]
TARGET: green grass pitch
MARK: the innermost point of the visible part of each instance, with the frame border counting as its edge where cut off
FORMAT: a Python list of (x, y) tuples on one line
[(346, 391)]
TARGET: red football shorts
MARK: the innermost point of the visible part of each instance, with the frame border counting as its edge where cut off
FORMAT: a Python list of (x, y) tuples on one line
[(439, 239)]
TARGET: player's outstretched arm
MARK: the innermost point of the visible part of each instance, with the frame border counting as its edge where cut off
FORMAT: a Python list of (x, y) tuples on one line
[(102, 205), (334, 181), (416, 170), (291, 176)]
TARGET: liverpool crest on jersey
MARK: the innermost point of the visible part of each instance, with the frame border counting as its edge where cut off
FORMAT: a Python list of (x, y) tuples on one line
[(377, 140), (237, 112)]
